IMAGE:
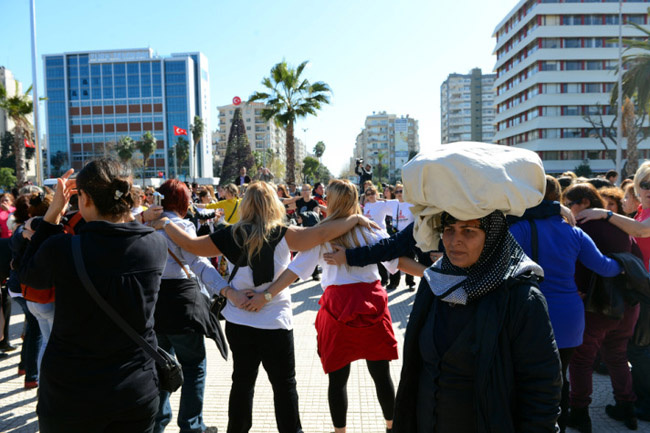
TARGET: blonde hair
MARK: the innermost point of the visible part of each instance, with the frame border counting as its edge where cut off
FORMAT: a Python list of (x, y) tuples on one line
[(343, 201), (640, 175), (232, 189), (260, 212)]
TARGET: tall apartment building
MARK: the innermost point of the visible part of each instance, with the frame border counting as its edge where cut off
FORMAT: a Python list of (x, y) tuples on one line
[(95, 97), (555, 66), (467, 107), (390, 137), (261, 134)]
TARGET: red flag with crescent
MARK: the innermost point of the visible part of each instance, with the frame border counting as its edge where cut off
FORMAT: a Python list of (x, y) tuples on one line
[(179, 131), (29, 144)]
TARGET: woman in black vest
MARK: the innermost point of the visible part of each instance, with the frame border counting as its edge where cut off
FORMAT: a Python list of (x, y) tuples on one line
[(259, 246), (94, 377)]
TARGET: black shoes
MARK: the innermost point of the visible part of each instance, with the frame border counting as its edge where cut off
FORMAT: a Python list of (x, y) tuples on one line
[(390, 287), (579, 419), (623, 411), (411, 287), (6, 347)]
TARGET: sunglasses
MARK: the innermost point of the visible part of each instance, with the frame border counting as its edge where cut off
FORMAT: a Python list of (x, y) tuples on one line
[(574, 202), (399, 191), (370, 193), (645, 185), (149, 194)]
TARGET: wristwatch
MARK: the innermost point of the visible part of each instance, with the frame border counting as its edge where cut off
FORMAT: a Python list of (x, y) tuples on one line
[(268, 296), (609, 215), (166, 223)]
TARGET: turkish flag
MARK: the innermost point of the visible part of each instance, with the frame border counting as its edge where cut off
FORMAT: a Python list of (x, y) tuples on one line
[(29, 144), (179, 131)]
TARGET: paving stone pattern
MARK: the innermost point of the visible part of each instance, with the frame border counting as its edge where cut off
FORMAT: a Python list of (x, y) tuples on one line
[(17, 406)]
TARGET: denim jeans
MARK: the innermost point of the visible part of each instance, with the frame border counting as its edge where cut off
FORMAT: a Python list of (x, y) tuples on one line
[(274, 349), (44, 313), (190, 352), (31, 344)]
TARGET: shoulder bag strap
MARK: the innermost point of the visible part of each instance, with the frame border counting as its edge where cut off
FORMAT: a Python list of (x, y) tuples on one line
[(179, 263), (110, 311), (233, 211), (534, 243)]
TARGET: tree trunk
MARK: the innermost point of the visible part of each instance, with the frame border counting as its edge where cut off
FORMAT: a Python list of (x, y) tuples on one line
[(195, 166), (19, 154), (291, 155)]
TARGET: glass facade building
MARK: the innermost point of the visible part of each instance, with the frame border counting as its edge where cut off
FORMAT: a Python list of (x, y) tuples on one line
[(94, 98)]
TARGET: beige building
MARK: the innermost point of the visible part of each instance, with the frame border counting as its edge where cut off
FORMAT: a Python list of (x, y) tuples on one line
[(388, 138), (261, 134)]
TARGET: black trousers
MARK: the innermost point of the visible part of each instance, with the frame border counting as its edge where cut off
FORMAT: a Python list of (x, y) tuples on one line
[(410, 280), (139, 419), (6, 310), (274, 349), (337, 393)]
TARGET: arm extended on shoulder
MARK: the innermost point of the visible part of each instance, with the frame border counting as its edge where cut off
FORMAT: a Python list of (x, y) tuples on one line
[(201, 246), (302, 239)]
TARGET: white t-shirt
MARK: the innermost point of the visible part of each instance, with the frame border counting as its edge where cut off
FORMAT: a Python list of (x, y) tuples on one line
[(303, 264), (379, 210), (402, 216), (276, 314)]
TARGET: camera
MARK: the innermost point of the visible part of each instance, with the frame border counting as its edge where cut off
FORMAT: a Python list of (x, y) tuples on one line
[(158, 198), (359, 161)]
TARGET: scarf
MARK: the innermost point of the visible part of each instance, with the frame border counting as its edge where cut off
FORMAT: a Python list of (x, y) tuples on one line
[(501, 258)]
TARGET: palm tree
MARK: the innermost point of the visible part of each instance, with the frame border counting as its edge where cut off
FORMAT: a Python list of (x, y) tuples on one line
[(380, 166), (289, 97), (146, 147), (18, 107), (124, 148), (319, 150), (182, 151), (197, 132)]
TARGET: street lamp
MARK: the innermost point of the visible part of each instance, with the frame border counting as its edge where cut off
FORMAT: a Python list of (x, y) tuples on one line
[(619, 124)]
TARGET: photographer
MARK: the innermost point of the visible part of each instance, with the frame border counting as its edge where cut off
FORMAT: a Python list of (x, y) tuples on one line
[(365, 173)]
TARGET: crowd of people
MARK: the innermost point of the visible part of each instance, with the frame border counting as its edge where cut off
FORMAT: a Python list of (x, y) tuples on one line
[(528, 283)]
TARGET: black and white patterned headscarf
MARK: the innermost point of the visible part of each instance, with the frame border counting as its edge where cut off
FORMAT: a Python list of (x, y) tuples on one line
[(501, 258)]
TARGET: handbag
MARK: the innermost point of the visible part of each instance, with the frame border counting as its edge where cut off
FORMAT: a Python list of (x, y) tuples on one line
[(170, 373), (219, 302)]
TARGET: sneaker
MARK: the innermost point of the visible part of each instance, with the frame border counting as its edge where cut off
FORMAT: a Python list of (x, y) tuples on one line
[(623, 411), (412, 288), (316, 277), (31, 384), (579, 419)]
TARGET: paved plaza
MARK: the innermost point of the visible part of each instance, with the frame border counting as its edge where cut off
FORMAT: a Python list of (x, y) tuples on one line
[(17, 406)]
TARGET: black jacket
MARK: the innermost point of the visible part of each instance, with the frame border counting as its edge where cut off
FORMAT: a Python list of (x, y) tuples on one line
[(398, 245), (90, 366), (518, 373)]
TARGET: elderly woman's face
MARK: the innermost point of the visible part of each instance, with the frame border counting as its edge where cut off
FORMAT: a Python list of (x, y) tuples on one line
[(463, 241)]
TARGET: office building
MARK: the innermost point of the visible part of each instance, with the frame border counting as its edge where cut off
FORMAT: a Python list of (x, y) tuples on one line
[(96, 97), (388, 139), (555, 66), (467, 107)]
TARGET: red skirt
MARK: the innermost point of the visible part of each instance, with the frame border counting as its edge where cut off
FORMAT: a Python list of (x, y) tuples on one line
[(354, 323)]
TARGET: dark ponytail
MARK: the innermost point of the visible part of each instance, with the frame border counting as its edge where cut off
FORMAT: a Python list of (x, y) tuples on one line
[(108, 183)]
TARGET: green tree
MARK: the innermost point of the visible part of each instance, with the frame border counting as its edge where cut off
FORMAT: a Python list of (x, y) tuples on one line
[(197, 129), (238, 151), (584, 169), (182, 149), (124, 148), (380, 167), (7, 178), (637, 68), (323, 175), (289, 97), (147, 146), (319, 149), (309, 168), (17, 109), (57, 161)]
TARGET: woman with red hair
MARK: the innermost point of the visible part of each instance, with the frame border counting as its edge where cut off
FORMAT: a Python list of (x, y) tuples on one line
[(182, 314)]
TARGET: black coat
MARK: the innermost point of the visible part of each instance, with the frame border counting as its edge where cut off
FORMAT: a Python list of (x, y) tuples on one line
[(518, 377), (90, 365)]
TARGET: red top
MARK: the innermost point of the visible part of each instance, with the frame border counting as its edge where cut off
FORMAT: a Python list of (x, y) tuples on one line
[(644, 243), (4, 216)]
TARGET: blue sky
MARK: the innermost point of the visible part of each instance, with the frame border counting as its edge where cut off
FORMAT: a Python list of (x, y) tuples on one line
[(376, 55)]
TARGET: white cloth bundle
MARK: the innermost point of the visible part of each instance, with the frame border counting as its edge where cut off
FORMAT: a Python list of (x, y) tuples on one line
[(469, 180)]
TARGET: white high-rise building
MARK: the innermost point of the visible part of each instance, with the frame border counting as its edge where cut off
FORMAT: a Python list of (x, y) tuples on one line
[(261, 134), (467, 107), (388, 139), (555, 67)]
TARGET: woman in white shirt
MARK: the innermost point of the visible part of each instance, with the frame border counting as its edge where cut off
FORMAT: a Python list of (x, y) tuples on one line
[(377, 211), (401, 218), (354, 321), (259, 246)]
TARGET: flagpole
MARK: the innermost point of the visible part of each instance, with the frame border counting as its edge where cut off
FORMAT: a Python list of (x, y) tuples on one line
[(37, 141)]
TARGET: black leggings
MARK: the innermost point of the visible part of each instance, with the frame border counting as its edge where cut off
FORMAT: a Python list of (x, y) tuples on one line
[(337, 393)]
